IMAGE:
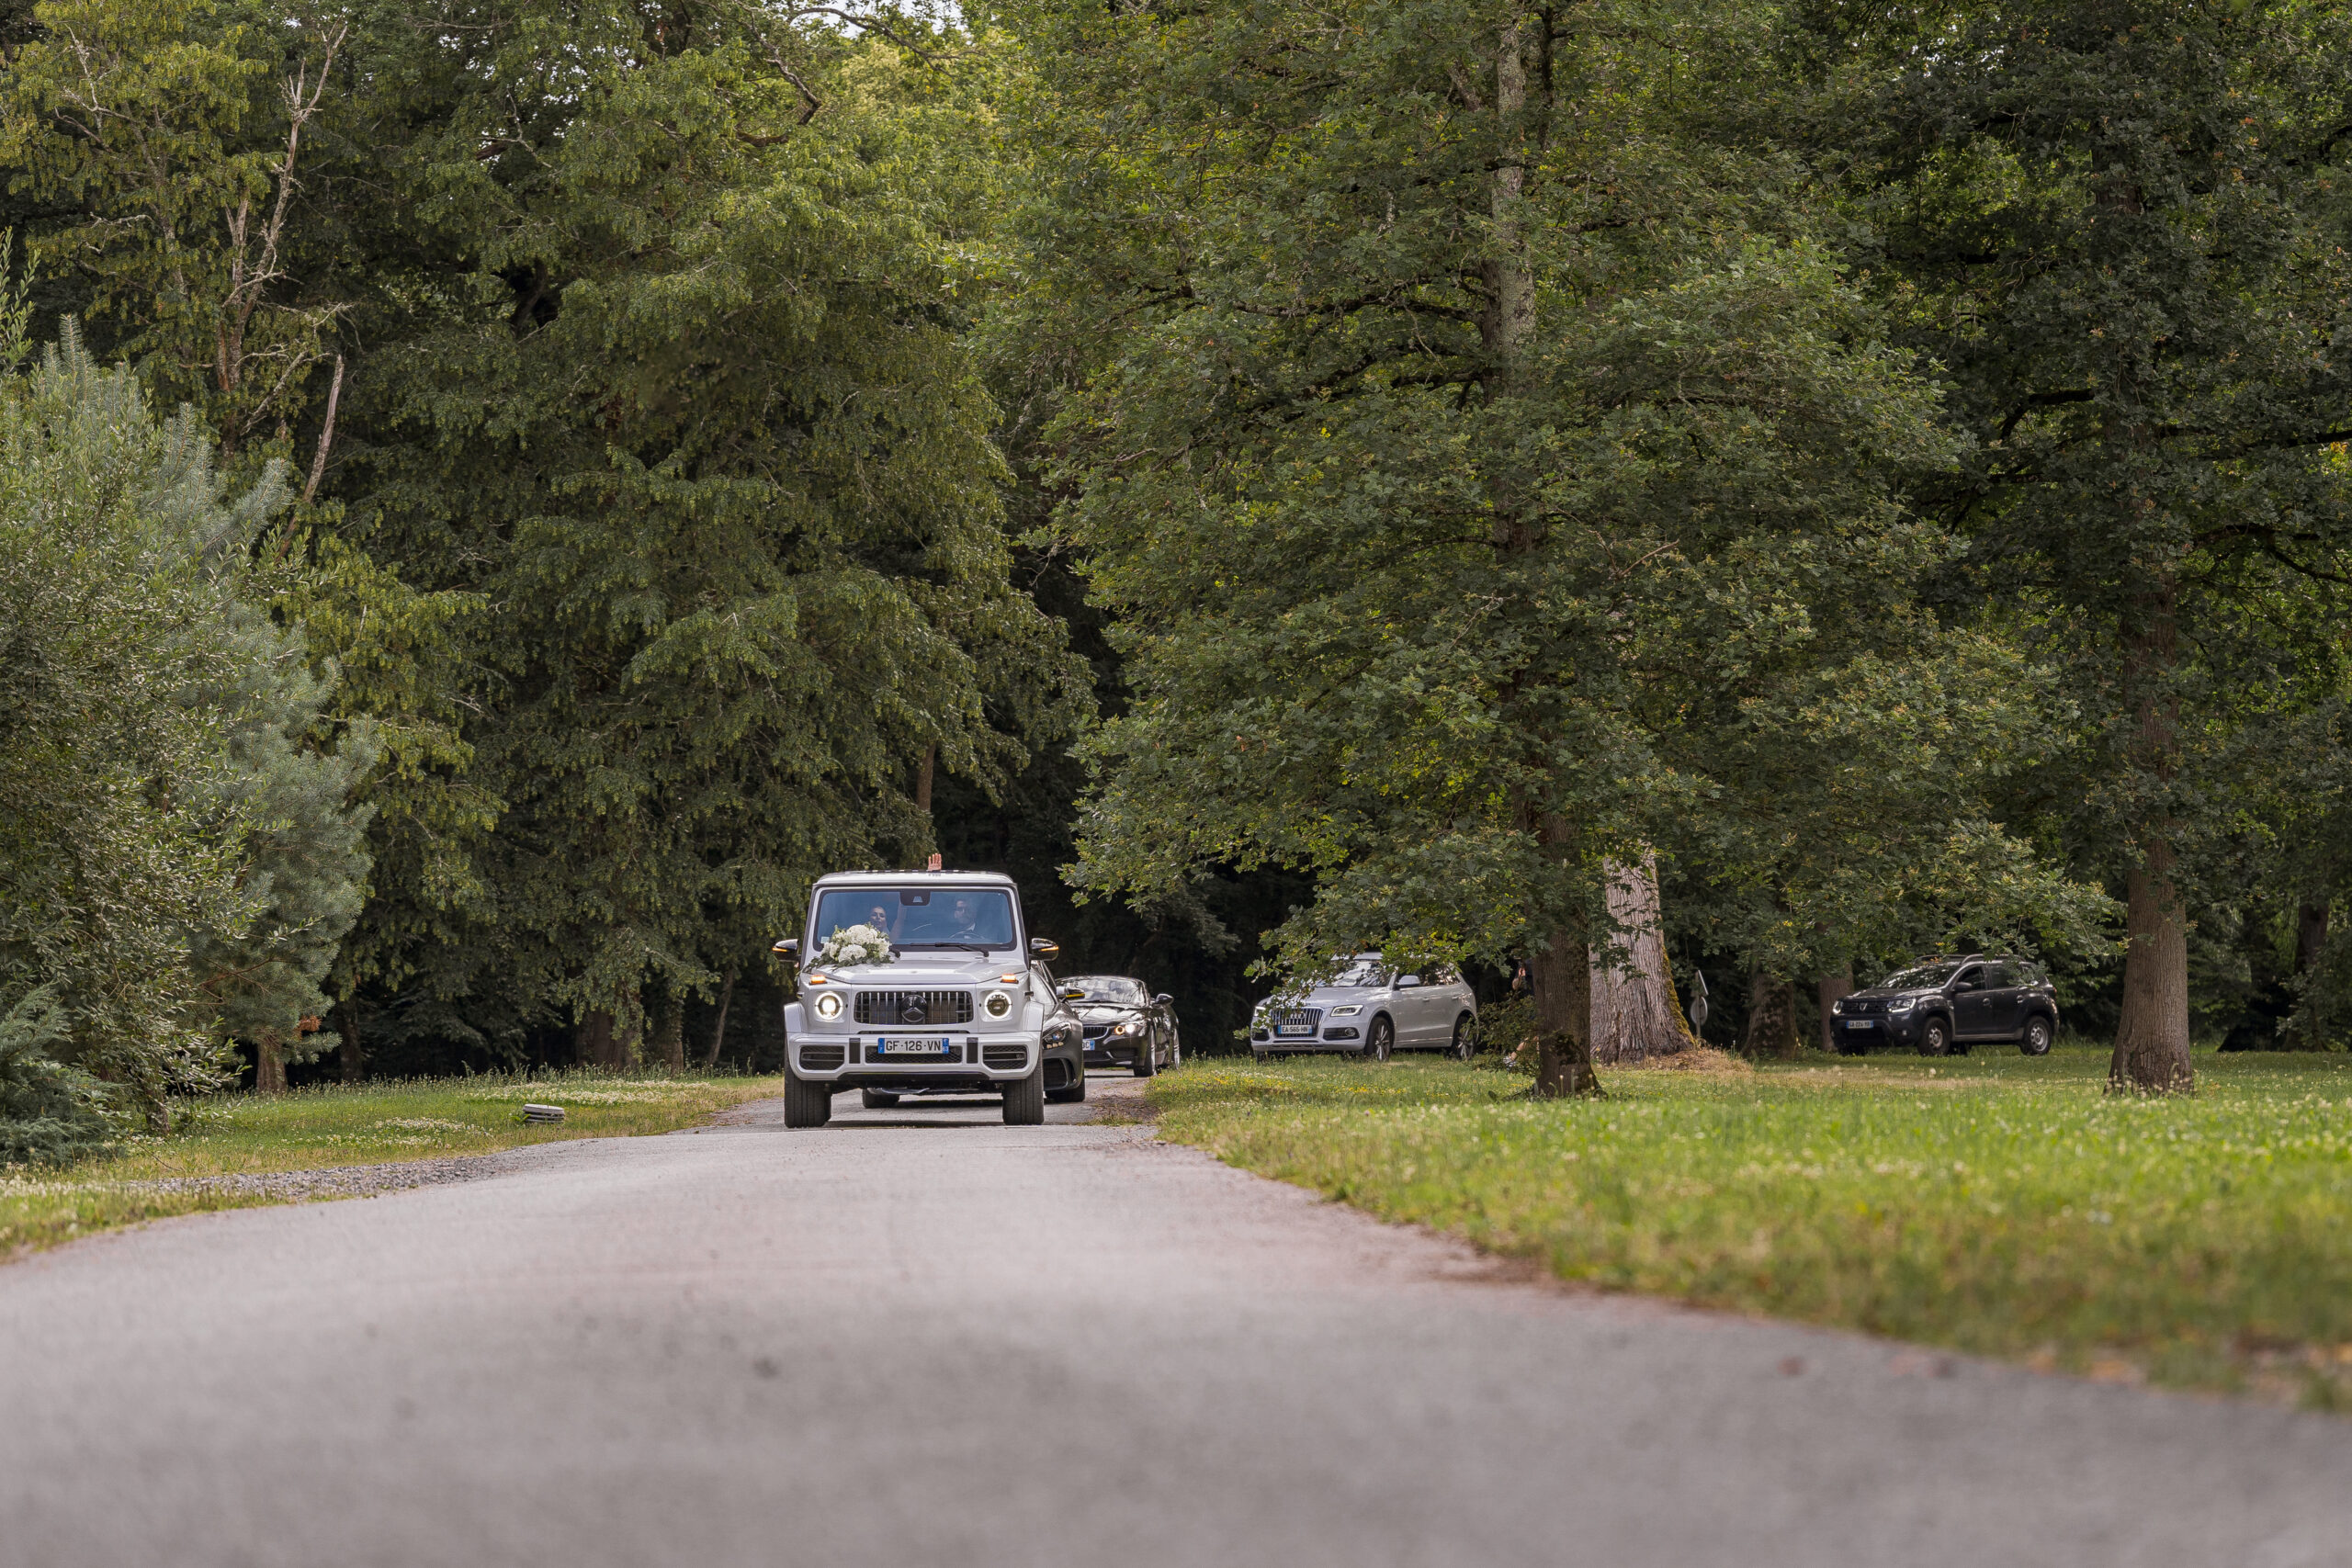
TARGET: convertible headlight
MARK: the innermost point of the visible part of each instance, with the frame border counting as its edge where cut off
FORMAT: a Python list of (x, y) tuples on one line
[(998, 1004), (1348, 1011), (1902, 1004), (1130, 1027), (829, 1006)]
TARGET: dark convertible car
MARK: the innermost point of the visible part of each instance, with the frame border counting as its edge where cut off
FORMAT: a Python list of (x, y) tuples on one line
[(1126, 1025), (1948, 1004)]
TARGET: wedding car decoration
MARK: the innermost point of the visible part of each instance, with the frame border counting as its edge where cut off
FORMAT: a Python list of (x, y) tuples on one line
[(856, 944)]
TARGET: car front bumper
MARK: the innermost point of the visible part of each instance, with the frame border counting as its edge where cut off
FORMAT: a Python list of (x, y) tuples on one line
[(1342, 1038), (1899, 1030), (853, 1060)]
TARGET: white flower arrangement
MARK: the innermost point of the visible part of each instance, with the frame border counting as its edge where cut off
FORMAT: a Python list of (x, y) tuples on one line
[(856, 944)]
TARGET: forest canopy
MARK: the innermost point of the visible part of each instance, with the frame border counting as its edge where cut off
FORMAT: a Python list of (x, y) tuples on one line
[(500, 497)]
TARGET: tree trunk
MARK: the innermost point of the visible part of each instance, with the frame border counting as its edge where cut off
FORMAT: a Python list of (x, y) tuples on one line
[(349, 1056), (1635, 1014), (1561, 979), (672, 1031), (2152, 1035), (718, 1030), (598, 1042), (269, 1068), (1834, 986), (923, 791), (1771, 1017), (1560, 971), (2311, 936), (1510, 312)]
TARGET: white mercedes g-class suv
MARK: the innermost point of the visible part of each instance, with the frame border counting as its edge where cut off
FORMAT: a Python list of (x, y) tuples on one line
[(925, 982)]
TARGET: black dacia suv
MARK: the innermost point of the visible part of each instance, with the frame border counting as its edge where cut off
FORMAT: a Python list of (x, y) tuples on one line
[(1941, 1005)]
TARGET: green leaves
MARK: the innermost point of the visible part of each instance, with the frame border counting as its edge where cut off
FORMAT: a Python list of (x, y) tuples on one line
[(179, 855), (702, 437), (1452, 609)]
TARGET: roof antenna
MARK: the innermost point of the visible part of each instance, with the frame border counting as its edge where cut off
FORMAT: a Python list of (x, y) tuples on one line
[(934, 865)]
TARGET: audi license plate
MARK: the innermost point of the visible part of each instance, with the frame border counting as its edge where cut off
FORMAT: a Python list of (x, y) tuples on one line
[(898, 1045), (1292, 1030)]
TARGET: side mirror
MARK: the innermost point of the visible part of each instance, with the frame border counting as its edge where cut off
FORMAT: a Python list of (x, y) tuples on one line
[(1406, 982), (788, 948), (1163, 999), (1041, 948)]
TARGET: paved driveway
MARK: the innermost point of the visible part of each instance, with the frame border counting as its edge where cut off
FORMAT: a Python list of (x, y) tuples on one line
[(926, 1337)]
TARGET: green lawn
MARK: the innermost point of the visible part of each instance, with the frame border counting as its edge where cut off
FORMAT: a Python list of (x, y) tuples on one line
[(371, 1123), (1991, 1203)]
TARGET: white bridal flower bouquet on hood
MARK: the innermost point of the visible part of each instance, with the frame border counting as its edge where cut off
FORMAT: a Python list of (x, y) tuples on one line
[(856, 944)]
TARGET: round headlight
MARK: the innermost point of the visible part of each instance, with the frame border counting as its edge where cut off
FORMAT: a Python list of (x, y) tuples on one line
[(998, 1004), (829, 1006)]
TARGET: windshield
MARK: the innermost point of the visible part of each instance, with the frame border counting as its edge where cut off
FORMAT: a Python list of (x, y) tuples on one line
[(1928, 976), (1364, 972), (1110, 988), (976, 918)]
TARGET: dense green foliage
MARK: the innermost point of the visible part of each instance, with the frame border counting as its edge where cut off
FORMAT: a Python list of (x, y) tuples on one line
[(1453, 448), (183, 856)]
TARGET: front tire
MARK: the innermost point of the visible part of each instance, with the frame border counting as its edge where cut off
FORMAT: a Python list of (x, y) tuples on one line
[(1466, 1038), (1025, 1100), (1146, 1058), (1074, 1095), (878, 1099), (806, 1104), (1935, 1037), (1380, 1042), (2035, 1040)]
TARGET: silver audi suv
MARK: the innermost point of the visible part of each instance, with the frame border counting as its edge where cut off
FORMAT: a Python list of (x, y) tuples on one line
[(946, 993), (1367, 1010)]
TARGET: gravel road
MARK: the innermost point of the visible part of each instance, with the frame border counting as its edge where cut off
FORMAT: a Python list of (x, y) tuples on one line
[(922, 1337)]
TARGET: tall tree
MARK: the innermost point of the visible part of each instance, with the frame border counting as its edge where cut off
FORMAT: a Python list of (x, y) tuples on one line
[(690, 405), (2117, 226), (180, 850), (1487, 491), (175, 129)]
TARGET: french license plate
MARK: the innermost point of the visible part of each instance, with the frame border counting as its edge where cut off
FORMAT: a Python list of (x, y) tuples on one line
[(1292, 1031), (901, 1046), (1860, 1023)]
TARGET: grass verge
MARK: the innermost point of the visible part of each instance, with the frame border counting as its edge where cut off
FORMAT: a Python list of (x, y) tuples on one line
[(1991, 1203), (368, 1124)]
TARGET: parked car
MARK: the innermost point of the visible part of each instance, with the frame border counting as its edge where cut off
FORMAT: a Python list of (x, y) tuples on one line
[(1941, 1005), (1125, 1025), (962, 1003), (1369, 1010)]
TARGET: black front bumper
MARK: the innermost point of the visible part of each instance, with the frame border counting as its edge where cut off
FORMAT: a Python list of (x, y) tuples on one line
[(1896, 1030)]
